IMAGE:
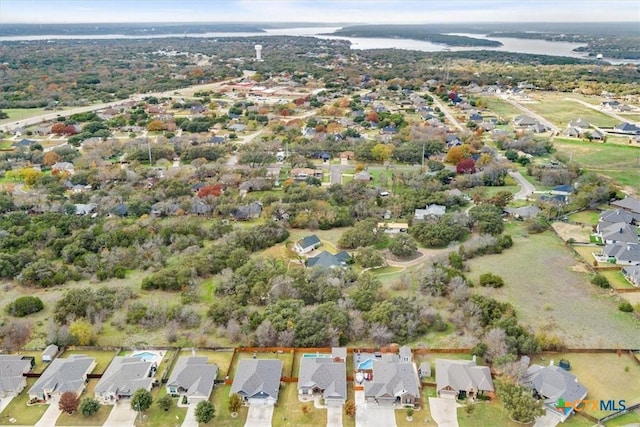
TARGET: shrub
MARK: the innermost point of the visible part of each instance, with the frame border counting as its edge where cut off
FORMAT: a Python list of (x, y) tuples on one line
[(601, 281), (24, 306), (68, 402), (205, 411), (235, 402), (491, 280), (165, 402), (625, 307), (89, 406)]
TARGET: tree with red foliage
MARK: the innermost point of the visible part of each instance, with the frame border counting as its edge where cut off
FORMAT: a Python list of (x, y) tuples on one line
[(466, 166), (69, 402), (70, 130), (373, 117), (210, 190)]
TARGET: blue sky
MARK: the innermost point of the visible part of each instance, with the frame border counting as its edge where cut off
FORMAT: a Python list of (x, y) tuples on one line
[(360, 11)]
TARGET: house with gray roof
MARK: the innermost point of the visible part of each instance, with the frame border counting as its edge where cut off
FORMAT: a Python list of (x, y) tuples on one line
[(619, 232), (324, 376), (614, 216), (622, 253), (63, 375), (525, 121), (12, 370), (523, 212), (460, 378), (192, 377), (307, 244), (394, 380), (579, 123), (430, 211), (632, 274), (551, 383), (329, 260), (257, 381), (629, 204), (123, 377)]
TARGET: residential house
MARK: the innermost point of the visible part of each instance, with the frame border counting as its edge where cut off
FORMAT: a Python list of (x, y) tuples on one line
[(563, 190), (63, 375), (628, 128), (632, 274), (580, 124), (198, 207), (257, 381), (460, 378), (629, 204), (430, 211), (452, 140), (63, 167), (329, 260), (123, 377), (525, 121), (555, 199), (571, 132), (12, 370), (622, 253), (394, 380), (245, 213), (324, 376), (615, 216), (84, 209), (300, 174), (192, 377), (49, 353), (389, 130), (393, 227), (597, 135), (24, 143), (619, 232), (552, 384), (307, 244), (609, 105), (524, 212), (120, 210), (454, 192), (476, 117)]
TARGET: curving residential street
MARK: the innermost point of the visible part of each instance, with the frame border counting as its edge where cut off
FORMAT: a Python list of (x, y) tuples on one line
[(526, 188)]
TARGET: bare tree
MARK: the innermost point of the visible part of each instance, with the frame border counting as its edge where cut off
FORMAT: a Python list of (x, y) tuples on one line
[(15, 334), (266, 334), (380, 334), (496, 340)]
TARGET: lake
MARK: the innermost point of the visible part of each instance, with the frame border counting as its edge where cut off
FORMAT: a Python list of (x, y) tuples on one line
[(528, 46)]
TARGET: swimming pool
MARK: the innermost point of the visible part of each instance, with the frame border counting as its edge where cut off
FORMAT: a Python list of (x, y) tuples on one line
[(147, 356), (366, 364), (309, 355)]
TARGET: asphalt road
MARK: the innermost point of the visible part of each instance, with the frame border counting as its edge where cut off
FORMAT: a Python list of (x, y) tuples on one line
[(526, 188), (447, 113)]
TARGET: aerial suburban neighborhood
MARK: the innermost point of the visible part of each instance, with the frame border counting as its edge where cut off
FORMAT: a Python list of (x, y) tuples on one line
[(242, 224)]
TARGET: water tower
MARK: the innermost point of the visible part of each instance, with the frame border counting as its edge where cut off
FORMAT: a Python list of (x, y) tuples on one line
[(258, 52)]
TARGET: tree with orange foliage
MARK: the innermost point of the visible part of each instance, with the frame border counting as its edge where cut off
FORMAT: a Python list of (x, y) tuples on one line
[(51, 158), (57, 128), (210, 190), (373, 117), (456, 154), (68, 402), (155, 126)]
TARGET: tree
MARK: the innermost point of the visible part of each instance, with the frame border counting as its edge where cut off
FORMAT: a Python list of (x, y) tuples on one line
[(456, 154), (15, 334), (350, 408), (491, 280), (89, 406), (68, 402), (51, 158), (519, 402), (382, 152), (165, 402), (58, 128), (369, 257), (155, 126), (82, 331), (465, 166), (601, 281), (205, 411), (141, 400), (235, 402), (403, 245), (24, 306)]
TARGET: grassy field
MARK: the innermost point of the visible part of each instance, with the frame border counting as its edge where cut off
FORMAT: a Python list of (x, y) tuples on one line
[(586, 252), (540, 274), (220, 399), (585, 217), (103, 358), (16, 114), (501, 108), (560, 112), (606, 376), (288, 411), (618, 162), (18, 409)]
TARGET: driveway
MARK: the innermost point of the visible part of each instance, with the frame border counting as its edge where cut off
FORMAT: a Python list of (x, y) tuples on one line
[(121, 415), (443, 411), (50, 416), (369, 414), (4, 402), (334, 416), (549, 419), (190, 417), (259, 416), (526, 188)]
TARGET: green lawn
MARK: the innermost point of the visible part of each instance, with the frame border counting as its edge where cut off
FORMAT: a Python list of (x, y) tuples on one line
[(616, 279), (103, 358), (606, 376), (219, 358), (501, 108), (220, 399), (540, 275), (158, 417), (288, 411), (77, 419), (625, 420), (16, 114), (561, 112), (585, 217), (18, 409)]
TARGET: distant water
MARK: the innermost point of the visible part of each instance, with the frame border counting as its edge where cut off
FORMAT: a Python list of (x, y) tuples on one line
[(527, 46)]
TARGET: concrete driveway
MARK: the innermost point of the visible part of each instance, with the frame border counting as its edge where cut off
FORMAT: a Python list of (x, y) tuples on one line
[(121, 415), (334, 416), (371, 415), (443, 411), (259, 416), (190, 417), (4, 402), (50, 416), (549, 419)]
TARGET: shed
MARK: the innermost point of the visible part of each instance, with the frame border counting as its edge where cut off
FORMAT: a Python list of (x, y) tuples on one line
[(49, 353)]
